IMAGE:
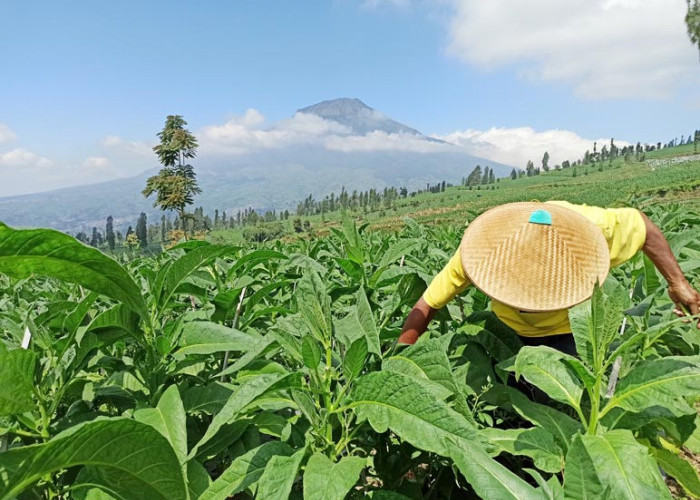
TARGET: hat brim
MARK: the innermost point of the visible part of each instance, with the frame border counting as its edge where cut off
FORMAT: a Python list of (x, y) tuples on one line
[(534, 265)]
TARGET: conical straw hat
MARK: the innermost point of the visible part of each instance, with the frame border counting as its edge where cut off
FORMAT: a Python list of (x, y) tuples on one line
[(535, 256)]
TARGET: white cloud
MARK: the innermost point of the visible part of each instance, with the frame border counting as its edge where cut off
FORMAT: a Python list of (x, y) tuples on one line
[(381, 141), (6, 134), (21, 158), (96, 162), (604, 48), (374, 4), (246, 133), (121, 146), (515, 146)]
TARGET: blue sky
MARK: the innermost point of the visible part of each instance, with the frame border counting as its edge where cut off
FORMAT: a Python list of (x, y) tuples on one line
[(86, 85)]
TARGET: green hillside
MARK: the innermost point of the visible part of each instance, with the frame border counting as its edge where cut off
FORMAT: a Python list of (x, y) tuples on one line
[(669, 175)]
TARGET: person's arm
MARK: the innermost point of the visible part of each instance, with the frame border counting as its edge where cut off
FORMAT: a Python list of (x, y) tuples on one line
[(659, 252), (416, 322)]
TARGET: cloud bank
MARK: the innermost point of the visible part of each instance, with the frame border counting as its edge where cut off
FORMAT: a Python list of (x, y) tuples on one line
[(516, 146), (603, 48), (248, 133)]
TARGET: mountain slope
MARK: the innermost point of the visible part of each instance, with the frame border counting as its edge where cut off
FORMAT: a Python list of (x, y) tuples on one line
[(369, 150)]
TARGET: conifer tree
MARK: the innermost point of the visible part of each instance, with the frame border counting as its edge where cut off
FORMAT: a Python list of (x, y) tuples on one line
[(109, 233), (142, 230)]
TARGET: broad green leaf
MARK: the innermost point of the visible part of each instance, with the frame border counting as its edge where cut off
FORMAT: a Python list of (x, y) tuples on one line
[(681, 470), (348, 328), (545, 368), (198, 479), (277, 480), (410, 368), (536, 443), (397, 250), (581, 482), (168, 418), (115, 320), (431, 357), (16, 381), (560, 425), (488, 478), (657, 382), (314, 305), (311, 352), (256, 257), (387, 495), (325, 480), (171, 277), (203, 337), (77, 316), (132, 454), (351, 268), (366, 319), (261, 347), (651, 276), (595, 323), (498, 339), (45, 252), (242, 396), (613, 466), (244, 471), (354, 359), (395, 401)]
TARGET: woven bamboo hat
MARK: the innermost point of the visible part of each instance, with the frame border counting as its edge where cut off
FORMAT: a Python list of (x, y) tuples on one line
[(535, 256)]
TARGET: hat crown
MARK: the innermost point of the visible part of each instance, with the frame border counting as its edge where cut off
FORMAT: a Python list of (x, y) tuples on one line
[(534, 257)]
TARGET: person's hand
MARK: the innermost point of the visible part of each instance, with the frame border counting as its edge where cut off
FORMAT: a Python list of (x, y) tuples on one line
[(686, 298)]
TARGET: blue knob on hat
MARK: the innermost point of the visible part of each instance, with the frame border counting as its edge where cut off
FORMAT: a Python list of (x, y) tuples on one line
[(541, 217)]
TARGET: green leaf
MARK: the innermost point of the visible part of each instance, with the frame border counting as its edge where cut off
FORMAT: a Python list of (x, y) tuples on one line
[(488, 478), (168, 418), (397, 250), (45, 252), (16, 381), (171, 277), (244, 471), (136, 458), (536, 443), (242, 396), (366, 319), (277, 480), (115, 321), (314, 305), (310, 352), (396, 401), (354, 359), (545, 367), (198, 479), (679, 469), (325, 480), (253, 258), (500, 341), (613, 466), (431, 357), (560, 425), (203, 337), (259, 349), (595, 323), (408, 367), (657, 382)]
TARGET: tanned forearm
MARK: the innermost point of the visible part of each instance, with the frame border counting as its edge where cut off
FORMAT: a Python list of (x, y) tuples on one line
[(416, 322), (656, 247)]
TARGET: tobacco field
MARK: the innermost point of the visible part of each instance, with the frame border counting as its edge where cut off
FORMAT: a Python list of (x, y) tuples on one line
[(211, 372)]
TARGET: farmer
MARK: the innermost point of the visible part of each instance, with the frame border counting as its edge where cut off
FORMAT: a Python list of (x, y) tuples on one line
[(536, 260)]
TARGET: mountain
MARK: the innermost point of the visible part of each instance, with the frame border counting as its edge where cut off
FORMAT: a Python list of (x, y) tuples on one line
[(357, 148), (357, 116)]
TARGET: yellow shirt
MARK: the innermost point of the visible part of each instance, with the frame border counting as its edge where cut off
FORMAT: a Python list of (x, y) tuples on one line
[(625, 232)]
